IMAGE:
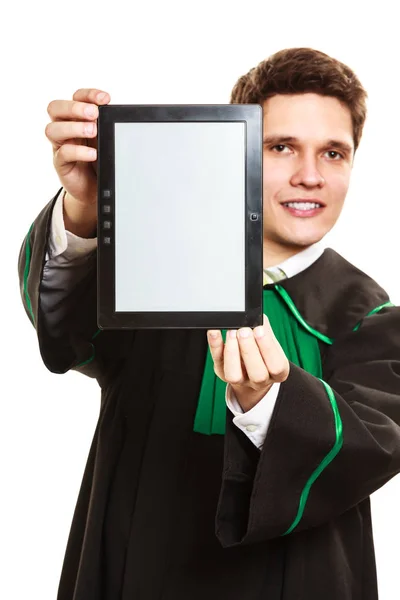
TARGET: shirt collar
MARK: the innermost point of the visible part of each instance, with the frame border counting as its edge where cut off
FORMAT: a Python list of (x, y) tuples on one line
[(299, 262)]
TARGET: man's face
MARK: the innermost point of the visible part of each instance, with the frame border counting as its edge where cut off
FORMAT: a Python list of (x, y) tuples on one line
[(308, 152)]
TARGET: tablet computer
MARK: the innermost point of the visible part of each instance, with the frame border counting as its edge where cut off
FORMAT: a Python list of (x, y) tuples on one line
[(180, 222)]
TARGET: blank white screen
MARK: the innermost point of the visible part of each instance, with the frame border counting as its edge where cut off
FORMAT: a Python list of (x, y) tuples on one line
[(180, 216)]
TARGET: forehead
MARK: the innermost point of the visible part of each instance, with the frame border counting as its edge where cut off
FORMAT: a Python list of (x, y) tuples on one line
[(308, 117)]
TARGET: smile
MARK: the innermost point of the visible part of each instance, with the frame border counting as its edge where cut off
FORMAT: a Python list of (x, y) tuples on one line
[(303, 209), (302, 205)]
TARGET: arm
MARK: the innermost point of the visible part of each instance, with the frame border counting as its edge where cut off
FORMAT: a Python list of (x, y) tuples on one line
[(64, 242), (68, 262), (327, 448), (58, 286)]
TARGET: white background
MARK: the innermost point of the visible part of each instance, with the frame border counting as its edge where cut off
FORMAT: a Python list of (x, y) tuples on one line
[(168, 52)]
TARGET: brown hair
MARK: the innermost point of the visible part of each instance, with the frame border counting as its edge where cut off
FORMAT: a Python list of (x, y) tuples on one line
[(302, 70)]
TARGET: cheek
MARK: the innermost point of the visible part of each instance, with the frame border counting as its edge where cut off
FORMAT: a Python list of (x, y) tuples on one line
[(339, 187), (275, 178)]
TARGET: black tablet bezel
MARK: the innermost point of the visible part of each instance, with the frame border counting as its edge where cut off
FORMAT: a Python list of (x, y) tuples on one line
[(251, 115)]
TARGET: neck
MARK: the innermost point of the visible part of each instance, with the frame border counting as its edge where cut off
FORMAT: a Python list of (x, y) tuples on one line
[(275, 254)]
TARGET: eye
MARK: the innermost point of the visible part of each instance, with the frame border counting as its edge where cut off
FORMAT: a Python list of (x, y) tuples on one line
[(337, 154), (280, 148)]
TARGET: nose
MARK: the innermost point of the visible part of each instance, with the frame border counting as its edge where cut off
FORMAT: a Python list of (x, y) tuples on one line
[(307, 173)]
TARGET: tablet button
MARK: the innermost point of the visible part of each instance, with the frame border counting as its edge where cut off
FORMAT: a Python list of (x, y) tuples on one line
[(107, 225), (254, 216), (106, 208), (106, 193), (107, 240)]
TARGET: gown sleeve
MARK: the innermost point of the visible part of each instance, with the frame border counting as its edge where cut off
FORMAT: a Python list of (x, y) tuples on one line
[(64, 310), (330, 443)]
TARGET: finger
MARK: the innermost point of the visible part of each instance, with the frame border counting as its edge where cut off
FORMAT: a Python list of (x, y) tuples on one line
[(70, 110), (58, 132), (82, 106), (216, 345), (255, 365), (92, 95), (232, 361), (272, 352), (71, 153)]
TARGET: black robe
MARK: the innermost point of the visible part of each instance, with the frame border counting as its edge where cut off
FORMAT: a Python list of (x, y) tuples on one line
[(165, 513)]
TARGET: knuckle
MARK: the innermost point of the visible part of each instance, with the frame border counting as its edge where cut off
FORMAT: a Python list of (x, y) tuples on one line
[(275, 367), (78, 93), (281, 378), (234, 380), (260, 380), (233, 374), (47, 130), (219, 373), (50, 108), (61, 152), (279, 374)]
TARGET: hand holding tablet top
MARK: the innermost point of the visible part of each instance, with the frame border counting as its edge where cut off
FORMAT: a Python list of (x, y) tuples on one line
[(180, 216), (73, 136)]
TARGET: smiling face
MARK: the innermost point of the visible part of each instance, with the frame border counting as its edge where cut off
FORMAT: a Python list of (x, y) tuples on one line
[(308, 153)]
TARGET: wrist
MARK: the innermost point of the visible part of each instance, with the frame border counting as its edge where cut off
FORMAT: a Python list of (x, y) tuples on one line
[(248, 398), (79, 218)]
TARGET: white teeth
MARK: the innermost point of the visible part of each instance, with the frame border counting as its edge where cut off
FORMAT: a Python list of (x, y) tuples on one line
[(303, 205)]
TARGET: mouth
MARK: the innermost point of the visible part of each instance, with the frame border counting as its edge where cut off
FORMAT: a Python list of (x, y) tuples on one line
[(303, 208)]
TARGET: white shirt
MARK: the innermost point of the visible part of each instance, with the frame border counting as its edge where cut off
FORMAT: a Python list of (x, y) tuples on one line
[(69, 250)]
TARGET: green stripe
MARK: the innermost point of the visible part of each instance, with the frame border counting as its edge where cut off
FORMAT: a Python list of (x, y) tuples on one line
[(88, 360), (298, 316), (372, 312), (338, 422), (26, 273), (326, 461), (93, 351), (308, 327)]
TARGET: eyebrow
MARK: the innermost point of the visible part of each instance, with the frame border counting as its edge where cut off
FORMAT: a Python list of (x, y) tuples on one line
[(281, 139)]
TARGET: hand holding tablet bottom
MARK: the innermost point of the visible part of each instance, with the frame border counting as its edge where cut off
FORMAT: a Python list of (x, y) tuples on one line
[(250, 360)]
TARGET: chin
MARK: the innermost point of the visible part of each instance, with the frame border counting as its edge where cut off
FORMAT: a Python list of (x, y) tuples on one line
[(301, 240)]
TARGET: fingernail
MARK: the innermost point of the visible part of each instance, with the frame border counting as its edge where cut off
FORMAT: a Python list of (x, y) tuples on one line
[(232, 333), (213, 334), (101, 96), (244, 333), (259, 331)]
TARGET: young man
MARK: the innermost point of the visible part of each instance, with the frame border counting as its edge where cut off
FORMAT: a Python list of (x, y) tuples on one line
[(182, 498)]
